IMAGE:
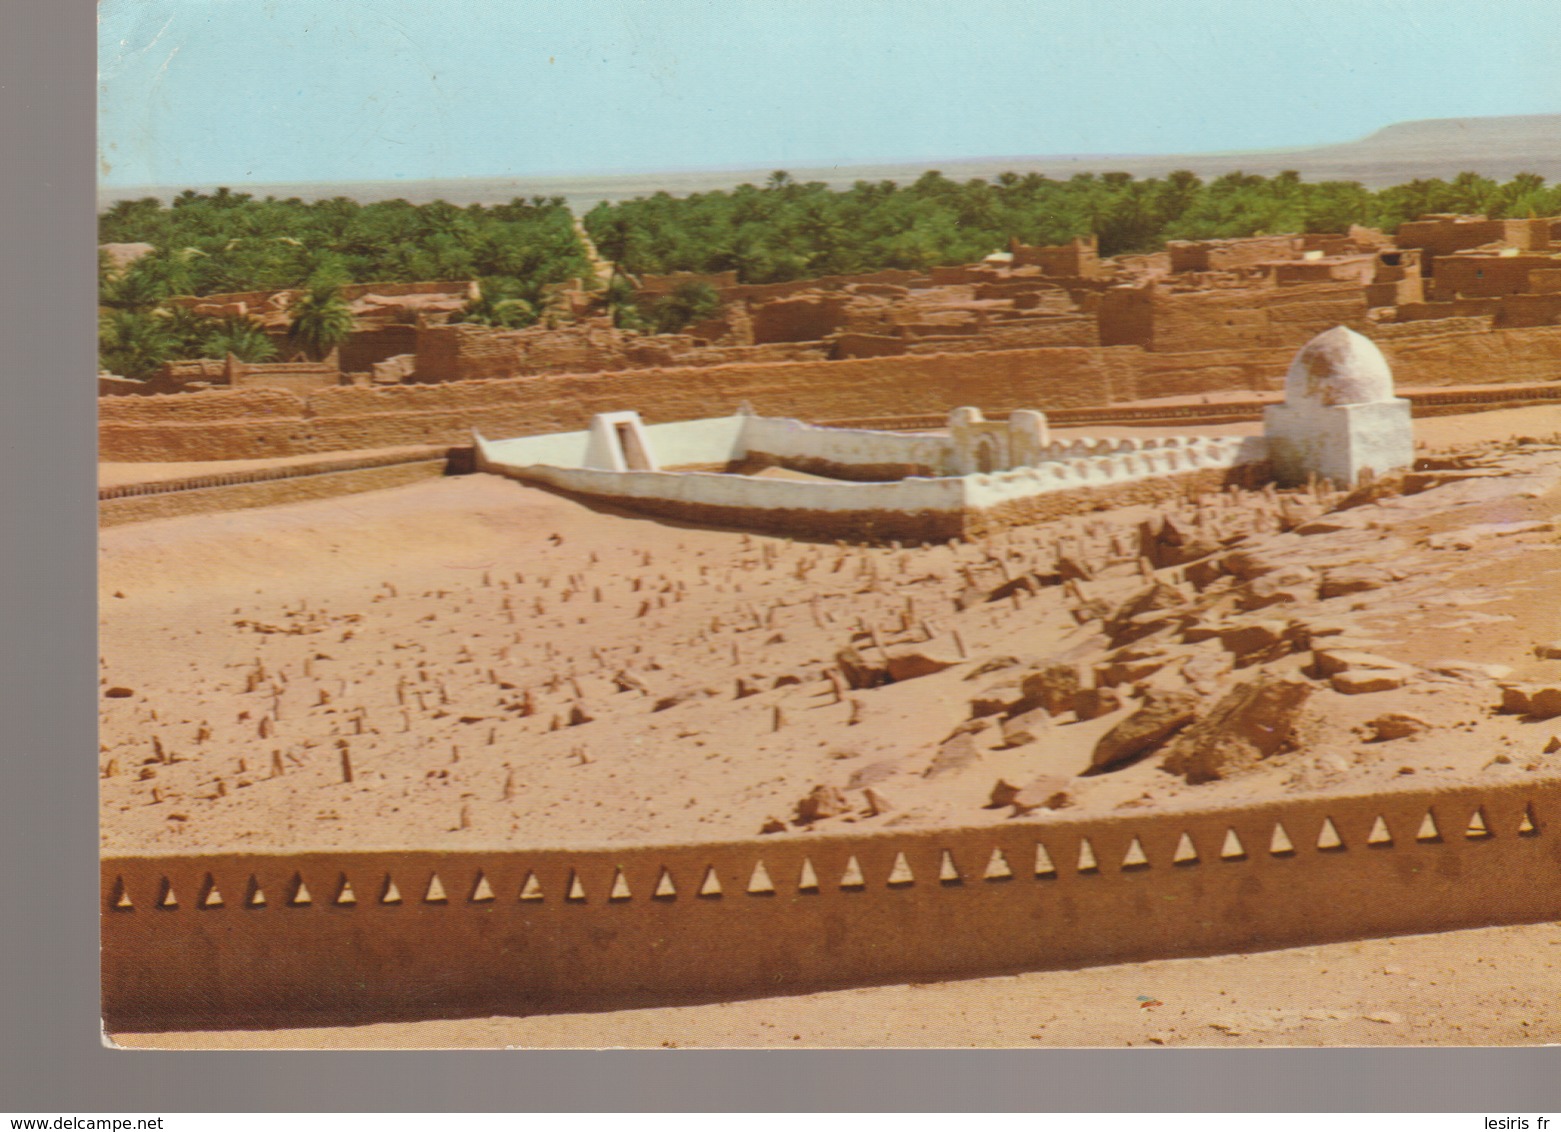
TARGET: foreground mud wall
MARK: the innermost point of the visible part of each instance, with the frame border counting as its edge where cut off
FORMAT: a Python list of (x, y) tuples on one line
[(232, 425), (238, 939)]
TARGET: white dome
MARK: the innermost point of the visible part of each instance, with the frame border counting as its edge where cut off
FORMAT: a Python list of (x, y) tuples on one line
[(1339, 367)]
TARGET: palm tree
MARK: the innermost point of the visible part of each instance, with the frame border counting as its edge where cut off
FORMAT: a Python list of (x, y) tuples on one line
[(321, 319), (133, 343), (244, 338)]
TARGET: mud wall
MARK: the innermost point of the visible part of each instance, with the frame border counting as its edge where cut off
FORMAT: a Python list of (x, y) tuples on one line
[(231, 425), (236, 939)]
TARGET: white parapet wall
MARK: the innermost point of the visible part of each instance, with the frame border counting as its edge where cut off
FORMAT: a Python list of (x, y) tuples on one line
[(911, 508), (807, 447)]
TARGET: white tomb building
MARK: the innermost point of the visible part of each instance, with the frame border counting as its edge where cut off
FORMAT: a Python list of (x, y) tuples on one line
[(1340, 420)]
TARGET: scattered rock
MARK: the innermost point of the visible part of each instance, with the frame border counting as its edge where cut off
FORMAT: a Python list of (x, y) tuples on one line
[(1470, 537), (1052, 687), (1533, 700), (1551, 651), (1333, 661), (1252, 722), (1047, 791), (1554, 745), (1091, 703), (876, 803), (858, 672), (773, 825), (821, 802), (1395, 725), (118, 693), (1161, 715), (954, 754), (993, 664), (1469, 670), (682, 697), (1253, 642), (1342, 580), (1364, 681), (1026, 727), (910, 664), (1003, 793)]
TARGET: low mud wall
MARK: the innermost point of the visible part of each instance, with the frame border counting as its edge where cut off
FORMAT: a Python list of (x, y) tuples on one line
[(229, 940), (264, 487)]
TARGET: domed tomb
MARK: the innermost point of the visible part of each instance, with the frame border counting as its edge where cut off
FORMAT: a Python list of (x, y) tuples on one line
[(1340, 420)]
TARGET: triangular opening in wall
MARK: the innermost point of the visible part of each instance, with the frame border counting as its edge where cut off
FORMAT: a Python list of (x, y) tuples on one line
[(576, 890), (166, 897), (1186, 853), (298, 896), (620, 888), (1135, 857), (759, 884), (210, 897), (1233, 849), (852, 878), (435, 893), (255, 897), (1280, 845), (1087, 862), (119, 899), (997, 867), (807, 879), (482, 891), (665, 889), (948, 871), (1043, 862), (1528, 827), (711, 885), (1379, 837), (1477, 826), (1429, 830), (532, 889), (1329, 841), (900, 872), (390, 894)]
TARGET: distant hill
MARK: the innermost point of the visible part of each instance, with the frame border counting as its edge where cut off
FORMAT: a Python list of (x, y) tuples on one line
[(1436, 147)]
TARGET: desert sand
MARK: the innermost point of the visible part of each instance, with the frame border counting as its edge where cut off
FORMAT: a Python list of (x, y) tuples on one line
[(469, 663)]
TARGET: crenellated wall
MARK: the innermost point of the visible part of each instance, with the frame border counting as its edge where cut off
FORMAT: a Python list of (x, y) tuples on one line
[(253, 939)]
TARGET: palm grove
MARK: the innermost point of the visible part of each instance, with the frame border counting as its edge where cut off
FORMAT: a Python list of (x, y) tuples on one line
[(780, 231)]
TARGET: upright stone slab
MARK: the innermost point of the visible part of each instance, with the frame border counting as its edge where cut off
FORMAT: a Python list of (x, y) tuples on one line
[(1339, 419)]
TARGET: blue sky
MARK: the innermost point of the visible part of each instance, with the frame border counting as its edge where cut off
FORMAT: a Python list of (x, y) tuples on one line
[(254, 91)]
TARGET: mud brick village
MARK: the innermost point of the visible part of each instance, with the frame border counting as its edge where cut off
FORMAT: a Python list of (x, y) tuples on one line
[(1051, 611)]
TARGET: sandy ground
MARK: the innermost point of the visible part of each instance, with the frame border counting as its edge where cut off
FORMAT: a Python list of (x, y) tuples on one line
[(501, 665)]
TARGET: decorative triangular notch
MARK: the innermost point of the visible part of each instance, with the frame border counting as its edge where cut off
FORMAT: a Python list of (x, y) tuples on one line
[(1043, 862), (532, 889), (1087, 862), (1379, 836), (1233, 849), (948, 871), (759, 884), (1477, 826), (1135, 857), (1186, 853), (576, 892), (1528, 827), (344, 894), (1280, 845), (166, 897), (1329, 840), (711, 885), (435, 893), (665, 889), (390, 894), (1429, 830), (298, 896), (482, 891), (852, 878), (620, 888), (119, 899), (997, 867), (900, 872), (210, 897), (255, 897), (807, 879)]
